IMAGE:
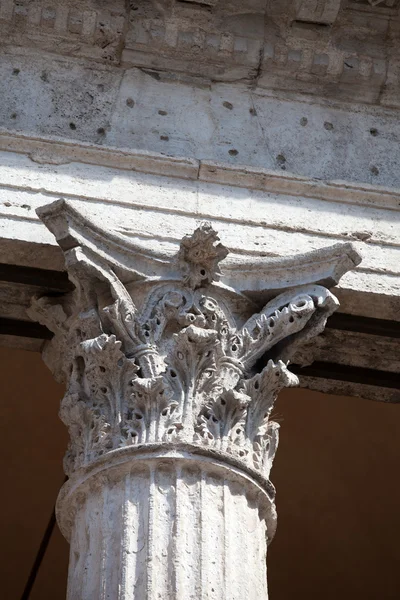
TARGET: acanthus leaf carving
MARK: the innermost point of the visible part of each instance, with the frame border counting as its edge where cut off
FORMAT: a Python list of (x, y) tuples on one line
[(92, 408), (261, 432), (150, 415), (192, 370), (222, 421)]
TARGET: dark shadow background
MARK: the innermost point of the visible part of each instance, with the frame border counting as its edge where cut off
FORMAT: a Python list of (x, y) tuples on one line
[(336, 474)]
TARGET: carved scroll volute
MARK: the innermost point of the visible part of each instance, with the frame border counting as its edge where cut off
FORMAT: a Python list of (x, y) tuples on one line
[(177, 368)]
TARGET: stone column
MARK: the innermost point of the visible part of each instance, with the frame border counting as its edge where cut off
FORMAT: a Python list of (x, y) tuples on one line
[(171, 378), (165, 524)]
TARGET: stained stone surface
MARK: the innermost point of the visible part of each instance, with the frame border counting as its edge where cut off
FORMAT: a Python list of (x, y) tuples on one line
[(227, 122), (159, 528)]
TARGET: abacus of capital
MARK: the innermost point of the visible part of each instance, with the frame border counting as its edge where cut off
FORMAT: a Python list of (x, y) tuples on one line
[(171, 376)]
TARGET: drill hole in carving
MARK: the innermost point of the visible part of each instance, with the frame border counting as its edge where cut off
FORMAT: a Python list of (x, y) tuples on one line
[(301, 303)]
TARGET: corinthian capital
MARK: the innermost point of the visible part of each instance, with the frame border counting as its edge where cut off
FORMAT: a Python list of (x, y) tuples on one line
[(156, 351)]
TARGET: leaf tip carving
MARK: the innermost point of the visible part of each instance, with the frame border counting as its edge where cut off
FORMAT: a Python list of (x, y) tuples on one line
[(199, 256)]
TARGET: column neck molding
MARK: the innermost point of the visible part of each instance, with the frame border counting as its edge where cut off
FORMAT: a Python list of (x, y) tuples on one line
[(192, 457)]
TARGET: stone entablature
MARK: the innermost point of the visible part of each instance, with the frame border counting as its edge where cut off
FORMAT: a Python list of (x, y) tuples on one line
[(264, 216), (296, 46)]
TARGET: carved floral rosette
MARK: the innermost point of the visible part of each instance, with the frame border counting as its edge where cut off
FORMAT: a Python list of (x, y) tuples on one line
[(173, 362)]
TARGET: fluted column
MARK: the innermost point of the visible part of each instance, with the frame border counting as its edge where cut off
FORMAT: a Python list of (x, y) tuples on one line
[(165, 525), (170, 379)]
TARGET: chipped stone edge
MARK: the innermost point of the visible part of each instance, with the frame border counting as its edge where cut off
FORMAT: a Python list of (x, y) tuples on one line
[(339, 387)]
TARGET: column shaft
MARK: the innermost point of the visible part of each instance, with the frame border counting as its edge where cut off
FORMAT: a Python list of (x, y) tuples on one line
[(167, 529)]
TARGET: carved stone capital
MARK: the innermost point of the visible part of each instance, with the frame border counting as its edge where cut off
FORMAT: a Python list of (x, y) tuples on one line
[(170, 360)]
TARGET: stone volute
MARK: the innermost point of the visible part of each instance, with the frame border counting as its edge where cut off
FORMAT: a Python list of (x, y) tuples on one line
[(171, 376)]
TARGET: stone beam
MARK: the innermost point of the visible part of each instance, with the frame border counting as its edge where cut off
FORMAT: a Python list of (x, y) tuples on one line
[(169, 411)]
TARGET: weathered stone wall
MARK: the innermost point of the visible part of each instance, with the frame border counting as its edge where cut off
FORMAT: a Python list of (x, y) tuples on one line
[(227, 122), (347, 49), (303, 86)]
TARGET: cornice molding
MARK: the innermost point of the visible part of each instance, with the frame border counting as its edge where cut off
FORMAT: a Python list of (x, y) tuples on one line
[(296, 48), (82, 29), (58, 151)]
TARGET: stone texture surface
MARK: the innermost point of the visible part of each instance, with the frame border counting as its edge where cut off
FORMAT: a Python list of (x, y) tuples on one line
[(247, 114), (164, 528), (79, 28), (348, 50), (163, 395), (228, 122)]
